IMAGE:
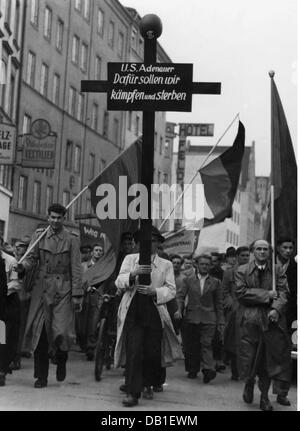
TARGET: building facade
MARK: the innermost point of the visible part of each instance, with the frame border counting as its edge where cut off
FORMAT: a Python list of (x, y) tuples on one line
[(11, 31), (64, 43)]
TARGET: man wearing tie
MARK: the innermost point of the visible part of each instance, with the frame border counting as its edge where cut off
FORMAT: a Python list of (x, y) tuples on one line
[(201, 316), (264, 344)]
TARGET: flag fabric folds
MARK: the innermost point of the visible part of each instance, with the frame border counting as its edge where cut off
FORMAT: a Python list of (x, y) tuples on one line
[(221, 178), (128, 165), (283, 172)]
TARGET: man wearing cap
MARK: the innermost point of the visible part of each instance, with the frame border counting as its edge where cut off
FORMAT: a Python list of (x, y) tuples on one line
[(57, 293), (263, 340), (144, 323)]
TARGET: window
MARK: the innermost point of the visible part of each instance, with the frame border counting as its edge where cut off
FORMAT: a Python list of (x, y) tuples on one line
[(77, 159), (2, 228), (59, 34), (120, 44), (30, 73), (86, 11), (84, 55), (3, 82), (78, 5), (26, 123), (22, 196), (36, 201), (88, 206), (17, 21), (66, 200), (167, 148), (48, 23), (100, 22), (137, 125), (133, 38), (160, 145), (166, 178), (116, 131), (91, 168), (8, 11), (12, 96), (75, 49), (129, 120), (55, 89), (95, 109), (72, 101), (5, 176), (69, 155), (105, 124), (80, 106), (49, 196), (111, 34), (141, 46), (34, 12), (98, 63), (44, 79), (155, 141), (158, 177)]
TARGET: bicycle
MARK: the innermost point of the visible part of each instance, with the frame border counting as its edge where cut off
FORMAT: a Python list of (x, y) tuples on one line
[(106, 339)]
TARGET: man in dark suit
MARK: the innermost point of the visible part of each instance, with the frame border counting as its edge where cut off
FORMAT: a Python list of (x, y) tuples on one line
[(285, 252), (202, 315)]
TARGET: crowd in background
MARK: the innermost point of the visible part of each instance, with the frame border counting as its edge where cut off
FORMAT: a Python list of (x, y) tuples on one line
[(210, 290)]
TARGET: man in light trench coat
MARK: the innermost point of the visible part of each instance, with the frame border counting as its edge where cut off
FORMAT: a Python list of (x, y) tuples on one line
[(56, 295), (146, 340)]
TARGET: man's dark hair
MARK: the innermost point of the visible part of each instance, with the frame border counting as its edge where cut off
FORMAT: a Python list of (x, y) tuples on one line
[(126, 235), (241, 249), (57, 208), (230, 251), (176, 256), (188, 256), (216, 254), (203, 256), (97, 244), (283, 239)]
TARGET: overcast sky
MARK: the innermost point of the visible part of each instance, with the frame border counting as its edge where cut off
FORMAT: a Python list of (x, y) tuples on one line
[(235, 42)]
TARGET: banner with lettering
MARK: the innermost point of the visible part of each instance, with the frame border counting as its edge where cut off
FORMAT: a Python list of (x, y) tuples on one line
[(7, 143), (90, 235)]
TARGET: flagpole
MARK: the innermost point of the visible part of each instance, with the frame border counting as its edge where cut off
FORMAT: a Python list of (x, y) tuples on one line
[(271, 74), (201, 166)]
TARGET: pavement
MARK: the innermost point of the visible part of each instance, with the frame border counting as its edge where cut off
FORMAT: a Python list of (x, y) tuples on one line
[(80, 391)]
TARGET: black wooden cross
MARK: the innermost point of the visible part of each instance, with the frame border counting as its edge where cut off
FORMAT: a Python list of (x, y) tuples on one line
[(160, 100)]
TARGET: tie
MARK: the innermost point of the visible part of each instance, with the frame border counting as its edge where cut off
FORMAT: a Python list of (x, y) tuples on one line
[(260, 276)]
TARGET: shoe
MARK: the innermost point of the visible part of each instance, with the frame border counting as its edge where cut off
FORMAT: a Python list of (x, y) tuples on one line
[(208, 375), (158, 388), (148, 393), (283, 400), (130, 401), (90, 356), (248, 392), (265, 404), (192, 375), (220, 368), (61, 371), (235, 378), (40, 383), (123, 388), (15, 365), (2, 379)]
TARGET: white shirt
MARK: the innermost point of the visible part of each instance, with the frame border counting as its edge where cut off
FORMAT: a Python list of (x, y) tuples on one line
[(202, 279)]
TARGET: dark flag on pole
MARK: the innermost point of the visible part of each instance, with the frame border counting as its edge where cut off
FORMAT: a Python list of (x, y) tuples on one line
[(127, 166), (221, 178), (283, 172)]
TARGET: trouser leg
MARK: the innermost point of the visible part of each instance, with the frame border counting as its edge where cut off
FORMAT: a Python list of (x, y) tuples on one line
[(191, 347), (93, 318), (8, 351), (133, 343), (152, 370), (264, 379), (206, 337), (41, 357)]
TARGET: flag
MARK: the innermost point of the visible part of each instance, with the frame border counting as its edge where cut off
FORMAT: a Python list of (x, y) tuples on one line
[(101, 270), (283, 172), (128, 165), (221, 177)]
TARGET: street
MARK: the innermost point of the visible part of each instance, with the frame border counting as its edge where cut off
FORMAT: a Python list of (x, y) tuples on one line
[(80, 392)]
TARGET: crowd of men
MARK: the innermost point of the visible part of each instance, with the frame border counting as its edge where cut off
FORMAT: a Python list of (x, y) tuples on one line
[(211, 310)]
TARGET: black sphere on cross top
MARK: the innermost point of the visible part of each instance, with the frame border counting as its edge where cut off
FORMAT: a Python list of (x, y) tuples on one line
[(151, 26)]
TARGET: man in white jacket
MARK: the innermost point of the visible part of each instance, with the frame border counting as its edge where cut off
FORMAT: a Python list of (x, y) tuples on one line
[(142, 316)]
